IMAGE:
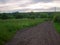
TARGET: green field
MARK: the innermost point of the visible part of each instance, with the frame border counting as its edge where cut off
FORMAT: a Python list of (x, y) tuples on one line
[(57, 26), (9, 27)]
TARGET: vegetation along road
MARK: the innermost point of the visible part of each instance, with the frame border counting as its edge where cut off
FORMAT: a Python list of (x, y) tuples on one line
[(42, 34)]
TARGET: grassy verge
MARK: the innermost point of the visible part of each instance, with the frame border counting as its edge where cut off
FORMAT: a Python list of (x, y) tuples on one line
[(9, 27), (57, 26)]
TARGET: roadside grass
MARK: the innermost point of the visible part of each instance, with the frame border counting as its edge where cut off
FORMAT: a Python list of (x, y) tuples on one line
[(9, 27), (57, 26)]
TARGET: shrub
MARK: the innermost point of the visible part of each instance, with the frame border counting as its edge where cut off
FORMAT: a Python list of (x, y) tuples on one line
[(4, 16), (57, 19)]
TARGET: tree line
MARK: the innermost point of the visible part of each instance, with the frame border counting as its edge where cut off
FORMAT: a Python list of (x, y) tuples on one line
[(31, 15)]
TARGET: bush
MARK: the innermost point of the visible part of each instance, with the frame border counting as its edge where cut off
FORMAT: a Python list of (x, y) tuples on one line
[(4, 16), (57, 19)]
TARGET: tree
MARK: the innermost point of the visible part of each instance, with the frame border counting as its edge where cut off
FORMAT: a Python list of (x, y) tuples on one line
[(4, 16)]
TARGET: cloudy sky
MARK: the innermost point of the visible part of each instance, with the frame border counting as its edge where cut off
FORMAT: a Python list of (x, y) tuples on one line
[(29, 5)]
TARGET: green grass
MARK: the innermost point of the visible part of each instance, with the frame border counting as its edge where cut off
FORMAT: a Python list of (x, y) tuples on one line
[(57, 26), (9, 27)]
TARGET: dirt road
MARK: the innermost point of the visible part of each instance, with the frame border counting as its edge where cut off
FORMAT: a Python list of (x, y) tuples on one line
[(42, 34)]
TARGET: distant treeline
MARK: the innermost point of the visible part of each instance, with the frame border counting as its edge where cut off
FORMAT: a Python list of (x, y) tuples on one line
[(18, 15)]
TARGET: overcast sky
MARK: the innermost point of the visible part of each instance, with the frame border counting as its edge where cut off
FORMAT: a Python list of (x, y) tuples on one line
[(29, 5)]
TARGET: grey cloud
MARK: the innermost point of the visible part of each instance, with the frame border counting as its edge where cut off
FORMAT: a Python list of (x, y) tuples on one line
[(26, 4), (50, 9), (3, 1), (42, 1), (39, 10), (54, 8), (6, 1), (34, 2)]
